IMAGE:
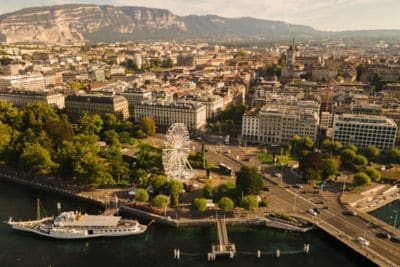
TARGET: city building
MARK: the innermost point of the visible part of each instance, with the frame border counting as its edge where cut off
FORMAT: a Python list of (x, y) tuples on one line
[(23, 82), (76, 105), (165, 113), (277, 124), (21, 98), (136, 96), (363, 130)]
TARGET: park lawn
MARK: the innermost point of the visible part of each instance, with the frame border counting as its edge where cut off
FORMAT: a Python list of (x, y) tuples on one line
[(265, 158), (285, 159)]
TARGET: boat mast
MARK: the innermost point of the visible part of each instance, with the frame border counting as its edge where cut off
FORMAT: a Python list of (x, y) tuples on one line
[(38, 209)]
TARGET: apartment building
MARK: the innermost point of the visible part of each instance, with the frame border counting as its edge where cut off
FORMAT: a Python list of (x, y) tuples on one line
[(135, 97), (277, 124), (21, 98), (165, 113), (363, 130), (76, 105)]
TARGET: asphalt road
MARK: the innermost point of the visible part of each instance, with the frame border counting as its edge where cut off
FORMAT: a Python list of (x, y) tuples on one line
[(293, 201)]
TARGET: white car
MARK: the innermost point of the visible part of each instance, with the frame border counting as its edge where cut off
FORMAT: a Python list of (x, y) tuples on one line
[(312, 212), (363, 241)]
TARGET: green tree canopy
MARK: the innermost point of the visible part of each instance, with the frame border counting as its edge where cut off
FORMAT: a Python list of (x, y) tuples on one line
[(374, 174), (36, 157), (148, 126), (208, 190), (250, 203), (348, 155), (90, 124), (226, 204), (93, 170), (141, 195), (361, 179), (360, 160), (59, 131), (175, 188), (330, 168), (200, 204), (161, 201), (159, 183), (5, 137), (394, 155), (249, 181), (372, 152)]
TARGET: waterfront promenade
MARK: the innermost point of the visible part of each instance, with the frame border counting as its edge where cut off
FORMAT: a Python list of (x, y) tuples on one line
[(346, 229), (331, 219)]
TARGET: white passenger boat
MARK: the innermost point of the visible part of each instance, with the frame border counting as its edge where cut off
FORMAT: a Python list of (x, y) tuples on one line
[(74, 225)]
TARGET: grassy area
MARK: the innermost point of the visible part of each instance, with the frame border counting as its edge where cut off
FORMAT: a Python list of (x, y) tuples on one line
[(284, 159), (265, 158)]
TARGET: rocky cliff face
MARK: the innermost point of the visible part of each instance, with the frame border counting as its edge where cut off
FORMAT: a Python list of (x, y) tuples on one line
[(74, 23), (94, 23)]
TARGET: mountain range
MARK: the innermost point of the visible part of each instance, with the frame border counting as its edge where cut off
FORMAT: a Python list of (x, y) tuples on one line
[(105, 23)]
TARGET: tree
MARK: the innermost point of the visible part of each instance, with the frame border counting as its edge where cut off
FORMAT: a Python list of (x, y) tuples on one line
[(226, 204), (348, 155), (175, 187), (59, 131), (141, 195), (200, 204), (250, 203), (119, 168), (301, 146), (10, 115), (372, 152), (148, 126), (36, 157), (312, 174), (394, 155), (330, 168), (5, 137), (351, 147), (110, 122), (208, 190), (92, 170), (36, 115), (249, 181), (374, 174), (360, 160), (161, 201), (90, 124), (159, 183), (361, 179)]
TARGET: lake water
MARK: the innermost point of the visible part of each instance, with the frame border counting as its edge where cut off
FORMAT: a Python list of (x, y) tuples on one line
[(155, 247)]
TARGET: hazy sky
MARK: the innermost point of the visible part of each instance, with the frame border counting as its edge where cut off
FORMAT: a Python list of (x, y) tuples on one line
[(321, 14)]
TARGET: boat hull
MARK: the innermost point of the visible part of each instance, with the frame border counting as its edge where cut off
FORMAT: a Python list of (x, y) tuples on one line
[(35, 227)]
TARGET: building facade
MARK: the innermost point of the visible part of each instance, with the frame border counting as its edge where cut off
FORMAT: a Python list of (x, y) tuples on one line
[(21, 98), (364, 130), (76, 105), (192, 114)]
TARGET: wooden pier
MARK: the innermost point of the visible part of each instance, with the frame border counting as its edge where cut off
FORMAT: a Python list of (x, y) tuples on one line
[(224, 247)]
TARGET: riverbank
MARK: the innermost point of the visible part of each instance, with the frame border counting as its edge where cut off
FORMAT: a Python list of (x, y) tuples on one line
[(103, 201)]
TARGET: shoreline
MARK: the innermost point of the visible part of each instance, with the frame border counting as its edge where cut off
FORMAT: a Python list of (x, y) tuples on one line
[(163, 220)]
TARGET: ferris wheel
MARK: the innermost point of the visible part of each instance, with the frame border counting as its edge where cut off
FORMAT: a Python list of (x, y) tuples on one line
[(176, 151)]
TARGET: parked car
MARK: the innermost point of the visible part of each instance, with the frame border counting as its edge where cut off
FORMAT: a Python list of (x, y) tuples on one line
[(383, 235), (350, 213), (362, 241), (312, 212)]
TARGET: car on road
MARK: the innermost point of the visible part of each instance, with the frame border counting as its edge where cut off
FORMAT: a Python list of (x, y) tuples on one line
[(278, 175), (312, 212), (350, 213), (266, 188), (299, 186), (362, 241), (383, 235)]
